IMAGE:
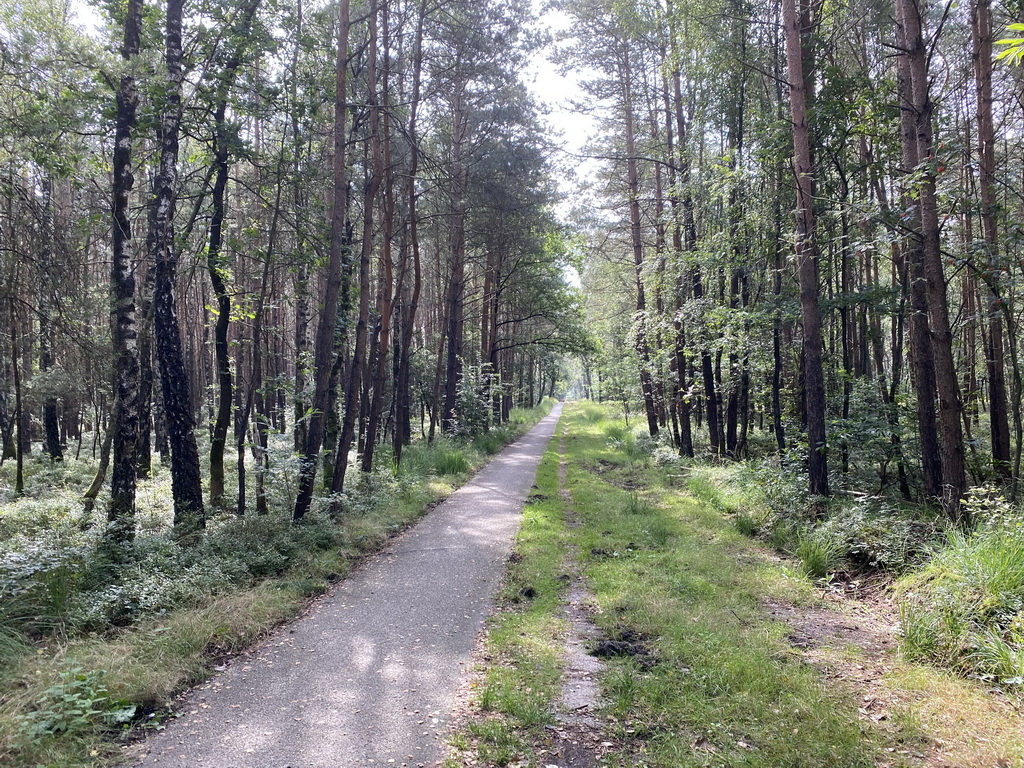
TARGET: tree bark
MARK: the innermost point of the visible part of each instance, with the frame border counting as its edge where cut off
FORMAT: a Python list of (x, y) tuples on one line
[(386, 292), (798, 30), (403, 394), (947, 387), (636, 240), (324, 352), (120, 531), (372, 186), (215, 260), (186, 483), (457, 277), (998, 412)]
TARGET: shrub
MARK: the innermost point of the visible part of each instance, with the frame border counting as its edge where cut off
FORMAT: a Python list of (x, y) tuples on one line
[(1000, 658), (873, 533), (784, 490), (39, 576)]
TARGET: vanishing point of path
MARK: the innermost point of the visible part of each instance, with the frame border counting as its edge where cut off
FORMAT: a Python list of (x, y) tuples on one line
[(369, 676)]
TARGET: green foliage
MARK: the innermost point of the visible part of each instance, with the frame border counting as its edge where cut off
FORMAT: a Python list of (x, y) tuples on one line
[(1013, 47), (965, 608), (875, 533), (473, 403), (77, 703), (819, 553)]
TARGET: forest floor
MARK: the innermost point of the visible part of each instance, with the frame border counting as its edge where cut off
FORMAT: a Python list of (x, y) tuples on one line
[(639, 628)]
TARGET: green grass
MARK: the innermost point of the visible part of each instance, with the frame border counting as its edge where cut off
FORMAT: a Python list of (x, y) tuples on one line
[(723, 675), (965, 609), (673, 570), (516, 696), (819, 553)]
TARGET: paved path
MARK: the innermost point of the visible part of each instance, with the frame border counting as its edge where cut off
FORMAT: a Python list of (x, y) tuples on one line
[(369, 676)]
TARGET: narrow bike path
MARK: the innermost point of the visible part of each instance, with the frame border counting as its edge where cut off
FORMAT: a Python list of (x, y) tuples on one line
[(369, 676)]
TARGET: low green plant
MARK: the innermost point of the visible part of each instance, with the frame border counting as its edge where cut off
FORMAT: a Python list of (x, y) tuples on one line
[(497, 741), (747, 524), (451, 462), (876, 533), (782, 534), (819, 553), (77, 703), (1000, 659), (919, 637), (615, 431), (637, 505)]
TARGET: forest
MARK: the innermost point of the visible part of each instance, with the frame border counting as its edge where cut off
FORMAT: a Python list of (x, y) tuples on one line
[(276, 275)]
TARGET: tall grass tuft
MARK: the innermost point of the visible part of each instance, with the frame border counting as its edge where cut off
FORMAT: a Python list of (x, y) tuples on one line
[(970, 596), (819, 554), (451, 462)]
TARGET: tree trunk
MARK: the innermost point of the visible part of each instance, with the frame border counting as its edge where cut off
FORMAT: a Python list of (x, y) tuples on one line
[(120, 531), (19, 402), (323, 361), (636, 239), (798, 43), (51, 423), (186, 483), (998, 413), (356, 370), (948, 390), (457, 279), (215, 260), (385, 300), (403, 394)]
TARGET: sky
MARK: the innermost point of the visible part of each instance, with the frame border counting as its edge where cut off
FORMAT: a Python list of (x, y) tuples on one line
[(569, 129)]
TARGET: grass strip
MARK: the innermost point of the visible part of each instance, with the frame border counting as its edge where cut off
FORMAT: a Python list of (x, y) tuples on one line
[(516, 696), (713, 681)]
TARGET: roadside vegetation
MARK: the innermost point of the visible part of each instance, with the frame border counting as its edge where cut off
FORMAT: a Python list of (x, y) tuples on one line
[(959, 590), (718, 667), (89, 652)]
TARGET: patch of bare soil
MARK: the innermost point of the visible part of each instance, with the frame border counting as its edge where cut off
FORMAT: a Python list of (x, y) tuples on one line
[(578, 739), (852, 638), (571, 746)]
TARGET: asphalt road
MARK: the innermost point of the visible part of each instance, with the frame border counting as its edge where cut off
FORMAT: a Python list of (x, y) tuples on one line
[(369, 676)]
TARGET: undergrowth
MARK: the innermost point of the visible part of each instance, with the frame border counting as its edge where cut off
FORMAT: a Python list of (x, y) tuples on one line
[(960, 592), (965, 608), (88, 649)]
